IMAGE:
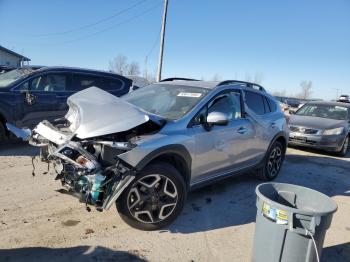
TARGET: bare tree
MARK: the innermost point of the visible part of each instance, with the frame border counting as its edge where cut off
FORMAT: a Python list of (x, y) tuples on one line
[(119, 65), (133, 69), (256, 79), (306, 91), (280, 93), (216, 77)]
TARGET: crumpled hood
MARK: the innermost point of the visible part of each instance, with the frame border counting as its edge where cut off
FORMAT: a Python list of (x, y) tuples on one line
[(315, 122), (101, 113)]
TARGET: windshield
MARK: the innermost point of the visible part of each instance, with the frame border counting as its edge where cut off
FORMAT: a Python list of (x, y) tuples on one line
[(168, 101), (8, 78), (324, 111)]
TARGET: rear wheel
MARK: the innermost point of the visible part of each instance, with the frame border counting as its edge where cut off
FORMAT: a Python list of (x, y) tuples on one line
[(154, 199), (345, 147), (272, 163)]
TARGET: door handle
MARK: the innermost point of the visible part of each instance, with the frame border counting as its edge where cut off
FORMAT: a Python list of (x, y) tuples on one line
[(242, 130)]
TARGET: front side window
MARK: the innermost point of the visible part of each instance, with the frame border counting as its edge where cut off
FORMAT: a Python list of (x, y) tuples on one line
[(228, 103), (49, 83), (168, 101)]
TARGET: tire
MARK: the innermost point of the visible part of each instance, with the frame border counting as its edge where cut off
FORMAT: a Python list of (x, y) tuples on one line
[(3, 135), (344, 148), (154, 199), (272, 163)]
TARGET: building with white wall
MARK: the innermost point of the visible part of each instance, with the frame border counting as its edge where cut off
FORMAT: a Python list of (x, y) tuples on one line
[(11, 58)]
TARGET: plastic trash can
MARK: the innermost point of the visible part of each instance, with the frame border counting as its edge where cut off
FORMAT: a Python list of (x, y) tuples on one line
[(291, 222)]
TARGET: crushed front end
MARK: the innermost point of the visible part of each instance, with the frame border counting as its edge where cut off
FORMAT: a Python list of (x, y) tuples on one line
[(85, 167)]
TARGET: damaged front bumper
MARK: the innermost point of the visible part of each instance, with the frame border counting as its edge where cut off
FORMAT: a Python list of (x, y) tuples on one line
[(78, 166)]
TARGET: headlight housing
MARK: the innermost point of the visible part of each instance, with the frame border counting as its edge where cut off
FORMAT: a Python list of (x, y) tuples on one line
[(73, 118), (333, 131)]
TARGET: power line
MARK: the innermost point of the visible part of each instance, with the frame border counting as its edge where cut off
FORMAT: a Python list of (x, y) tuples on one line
[(113, 26), (154, 44), (131, 19), (94, 23)]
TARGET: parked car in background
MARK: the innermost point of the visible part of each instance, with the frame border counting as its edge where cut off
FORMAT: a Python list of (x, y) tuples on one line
[(172, 136), (343, 99), (138, 82), (321, 125), (4, 69), (28, 96)]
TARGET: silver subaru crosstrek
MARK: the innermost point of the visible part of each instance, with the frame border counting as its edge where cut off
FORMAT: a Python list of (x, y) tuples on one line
[(146, 150)]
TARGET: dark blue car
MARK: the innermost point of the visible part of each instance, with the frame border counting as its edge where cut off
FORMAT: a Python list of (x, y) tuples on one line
[(29, 96)]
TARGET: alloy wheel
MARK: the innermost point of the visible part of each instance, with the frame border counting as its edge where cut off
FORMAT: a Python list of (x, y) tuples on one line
[(152, 198), (274, 161)]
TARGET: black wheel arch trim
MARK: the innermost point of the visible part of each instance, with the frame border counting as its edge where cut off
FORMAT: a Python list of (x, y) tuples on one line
[(280, 134), (177, 149)]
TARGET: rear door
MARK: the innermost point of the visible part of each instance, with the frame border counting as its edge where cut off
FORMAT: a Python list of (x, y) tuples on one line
[(261, 114), (81, 81)]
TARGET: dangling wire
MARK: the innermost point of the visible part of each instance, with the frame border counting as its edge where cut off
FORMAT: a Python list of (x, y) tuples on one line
[(314, 242)]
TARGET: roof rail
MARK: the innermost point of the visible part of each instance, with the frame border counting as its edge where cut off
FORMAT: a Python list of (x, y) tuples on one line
[(247, 84), (178, 78)]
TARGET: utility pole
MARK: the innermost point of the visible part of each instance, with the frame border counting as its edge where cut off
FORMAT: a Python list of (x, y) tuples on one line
[(162, 35), (337, 89)]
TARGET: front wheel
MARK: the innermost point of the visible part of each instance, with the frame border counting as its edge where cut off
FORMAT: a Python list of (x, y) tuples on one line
[(154, 199), (272, 163)]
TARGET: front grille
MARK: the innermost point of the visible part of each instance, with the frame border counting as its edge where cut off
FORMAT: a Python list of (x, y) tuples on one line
[(302, 141), (303, 130)]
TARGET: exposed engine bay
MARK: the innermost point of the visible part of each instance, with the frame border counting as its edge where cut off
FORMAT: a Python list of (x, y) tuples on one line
[(88, 165)]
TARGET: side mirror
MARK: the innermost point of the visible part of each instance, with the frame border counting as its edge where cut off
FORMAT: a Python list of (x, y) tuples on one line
[(217, 118)]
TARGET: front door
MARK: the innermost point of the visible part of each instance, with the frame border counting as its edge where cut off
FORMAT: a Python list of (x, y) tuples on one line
[(222, 149), (44, 98)]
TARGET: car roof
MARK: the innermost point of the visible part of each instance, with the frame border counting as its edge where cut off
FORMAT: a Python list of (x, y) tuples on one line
[(211, 84), (76, 69), (194, 83), (331, 103)]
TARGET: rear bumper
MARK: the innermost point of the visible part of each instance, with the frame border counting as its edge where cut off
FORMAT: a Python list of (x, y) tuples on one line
[(328, 143)]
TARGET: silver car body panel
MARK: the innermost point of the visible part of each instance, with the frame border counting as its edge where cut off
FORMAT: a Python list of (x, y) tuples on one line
[(222, 150), (227, 149), (102, 113)]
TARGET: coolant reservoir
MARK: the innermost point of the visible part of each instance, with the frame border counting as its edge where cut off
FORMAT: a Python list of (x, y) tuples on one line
[(96, 186)]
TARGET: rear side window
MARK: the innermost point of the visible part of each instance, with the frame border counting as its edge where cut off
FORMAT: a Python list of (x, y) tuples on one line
[(110, 84), (255, 102), (80, 82), (266, 105), (272, 104)]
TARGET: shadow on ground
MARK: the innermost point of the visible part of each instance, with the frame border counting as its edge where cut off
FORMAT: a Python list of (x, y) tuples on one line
[(17, 148), (80, 253), (232, 201), (338, 253)]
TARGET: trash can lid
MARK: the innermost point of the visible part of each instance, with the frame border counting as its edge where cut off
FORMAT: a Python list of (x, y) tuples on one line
[(296, 199)]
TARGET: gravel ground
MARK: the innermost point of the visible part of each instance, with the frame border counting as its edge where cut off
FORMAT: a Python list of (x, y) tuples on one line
[(38, 223)]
